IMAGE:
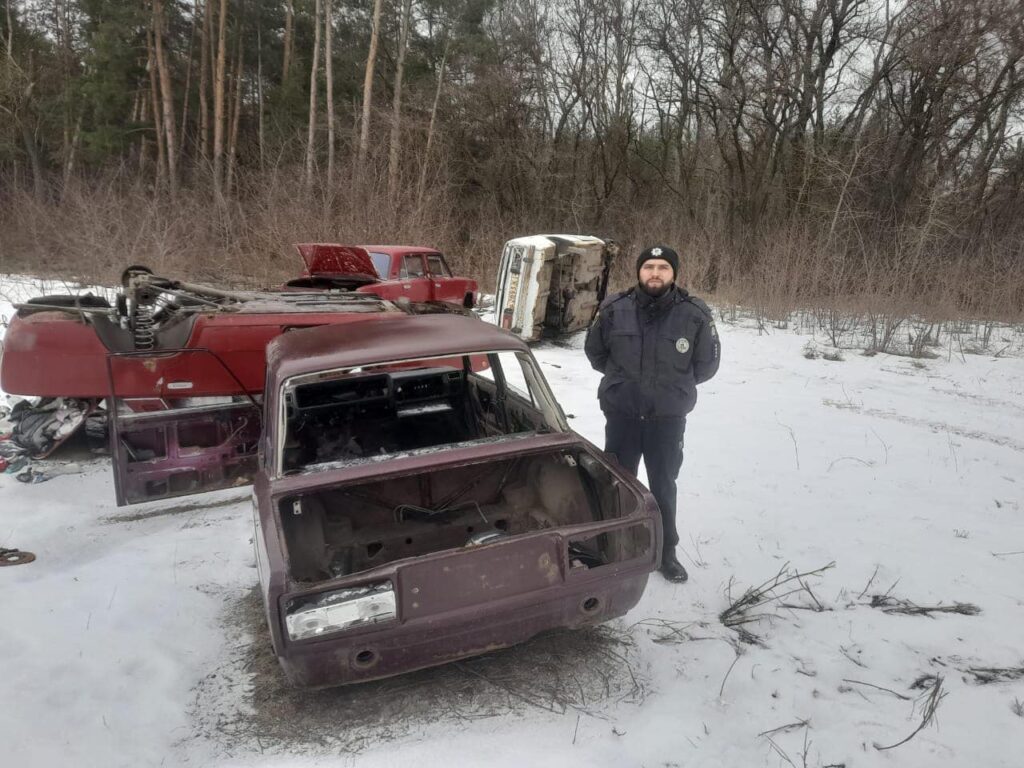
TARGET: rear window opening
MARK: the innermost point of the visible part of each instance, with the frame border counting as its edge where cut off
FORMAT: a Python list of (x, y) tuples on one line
[(367, 413), (336, 532)]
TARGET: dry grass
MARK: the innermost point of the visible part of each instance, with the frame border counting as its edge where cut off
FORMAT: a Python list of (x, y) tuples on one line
[(749, 608), (988, 675), (99, 225), (929, 702), (890, 604), (247, 704)]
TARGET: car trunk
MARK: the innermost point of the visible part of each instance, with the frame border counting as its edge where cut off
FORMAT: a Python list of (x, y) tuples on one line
[(335, 532)]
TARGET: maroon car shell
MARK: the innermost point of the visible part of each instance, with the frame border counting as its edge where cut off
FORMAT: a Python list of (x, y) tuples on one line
[(420, 498)]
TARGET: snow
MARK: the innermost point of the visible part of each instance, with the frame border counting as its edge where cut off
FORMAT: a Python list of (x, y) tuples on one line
[(122, 643)]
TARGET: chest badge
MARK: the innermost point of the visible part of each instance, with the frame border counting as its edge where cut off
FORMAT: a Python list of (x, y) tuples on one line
[(682, 346)]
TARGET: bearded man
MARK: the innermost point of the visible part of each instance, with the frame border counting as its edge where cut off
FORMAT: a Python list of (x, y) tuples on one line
[(654, 344)]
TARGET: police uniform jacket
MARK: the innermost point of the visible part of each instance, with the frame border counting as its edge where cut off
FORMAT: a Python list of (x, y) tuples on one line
[(653, 352)]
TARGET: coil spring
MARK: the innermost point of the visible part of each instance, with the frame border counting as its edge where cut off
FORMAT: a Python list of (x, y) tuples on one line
[(143, 331)]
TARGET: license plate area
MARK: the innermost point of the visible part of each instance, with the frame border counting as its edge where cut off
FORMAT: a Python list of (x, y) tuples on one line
[(479, 575)]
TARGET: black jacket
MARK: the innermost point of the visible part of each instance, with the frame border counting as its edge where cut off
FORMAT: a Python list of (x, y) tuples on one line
[(653, 352)]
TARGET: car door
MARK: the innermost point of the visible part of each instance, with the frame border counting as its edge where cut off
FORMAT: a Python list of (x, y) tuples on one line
[(442, 286), (414, 279), (169, 444)]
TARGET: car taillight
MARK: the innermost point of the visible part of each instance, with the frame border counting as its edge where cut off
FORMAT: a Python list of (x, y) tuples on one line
[(328, 612)]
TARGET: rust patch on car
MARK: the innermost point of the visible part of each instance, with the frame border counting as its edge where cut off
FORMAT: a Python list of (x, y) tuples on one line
[(548, 567)]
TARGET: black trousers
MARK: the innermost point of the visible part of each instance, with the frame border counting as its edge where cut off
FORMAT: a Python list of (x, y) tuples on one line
[(660, 442)]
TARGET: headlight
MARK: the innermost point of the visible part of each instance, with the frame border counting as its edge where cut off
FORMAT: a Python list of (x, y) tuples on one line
[(344, 608)]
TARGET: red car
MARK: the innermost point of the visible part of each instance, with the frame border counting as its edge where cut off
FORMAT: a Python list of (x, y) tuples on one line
[(58, 346), (388, 271)]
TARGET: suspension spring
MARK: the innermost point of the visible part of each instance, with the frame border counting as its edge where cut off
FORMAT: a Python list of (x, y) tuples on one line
[(143, 331)]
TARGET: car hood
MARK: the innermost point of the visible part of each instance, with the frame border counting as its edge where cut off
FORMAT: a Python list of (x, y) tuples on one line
[(334, 259)]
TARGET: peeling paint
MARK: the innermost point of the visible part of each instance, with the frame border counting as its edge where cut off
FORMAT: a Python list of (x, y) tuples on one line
[(548, 568)]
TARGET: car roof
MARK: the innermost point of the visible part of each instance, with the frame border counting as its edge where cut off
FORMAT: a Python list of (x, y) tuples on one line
[(382, 338), (399, 250)]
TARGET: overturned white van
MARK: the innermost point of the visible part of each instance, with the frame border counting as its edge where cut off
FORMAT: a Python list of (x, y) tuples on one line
[(549, 285)]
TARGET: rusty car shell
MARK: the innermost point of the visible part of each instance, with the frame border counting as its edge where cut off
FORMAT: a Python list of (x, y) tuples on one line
[(459, 601)]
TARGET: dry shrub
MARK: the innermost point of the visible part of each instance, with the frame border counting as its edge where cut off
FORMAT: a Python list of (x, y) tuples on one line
[(836, 269)]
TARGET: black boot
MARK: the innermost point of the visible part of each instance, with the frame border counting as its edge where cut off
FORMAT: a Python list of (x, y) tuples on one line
[(671, 568)]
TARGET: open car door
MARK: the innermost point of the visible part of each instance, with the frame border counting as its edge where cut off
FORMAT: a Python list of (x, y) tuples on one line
[(171, 444)]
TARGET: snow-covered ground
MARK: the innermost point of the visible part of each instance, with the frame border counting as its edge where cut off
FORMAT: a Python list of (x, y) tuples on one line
[(134, 639)]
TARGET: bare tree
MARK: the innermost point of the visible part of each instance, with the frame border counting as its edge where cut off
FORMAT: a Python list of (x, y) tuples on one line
[(204, 82), (154, 103), (421, 188), (218, 103), (289, 39), (236, 108), (371, 58), (313, 72), (329, 67), (167, 95), (396, 104)]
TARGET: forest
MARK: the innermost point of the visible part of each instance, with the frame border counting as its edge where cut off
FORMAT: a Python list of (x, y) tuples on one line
[(862, 155)]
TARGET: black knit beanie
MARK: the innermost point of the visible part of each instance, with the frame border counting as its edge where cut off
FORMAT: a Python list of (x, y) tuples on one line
[(659, 252)]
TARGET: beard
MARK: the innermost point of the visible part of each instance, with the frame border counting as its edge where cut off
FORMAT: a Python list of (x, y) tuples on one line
[(655, 289)]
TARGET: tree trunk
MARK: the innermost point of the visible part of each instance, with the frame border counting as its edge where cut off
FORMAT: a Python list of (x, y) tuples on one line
[(329, 71), (143, 150), (218, 104), (430, 130), (32, 151), (154, 103), (236, 112), (188, 85), (289, 25), (371, 58), (69, 163), (62, 36), (10, 33), (259, 91), (204, 82), (394, 154), (313, 71), (168, 97)]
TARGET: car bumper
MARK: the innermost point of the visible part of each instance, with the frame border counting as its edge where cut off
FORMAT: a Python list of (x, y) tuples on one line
[(438, 639)]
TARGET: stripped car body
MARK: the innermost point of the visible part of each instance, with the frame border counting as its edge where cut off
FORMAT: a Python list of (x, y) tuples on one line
[(419, 498), (549, 285)]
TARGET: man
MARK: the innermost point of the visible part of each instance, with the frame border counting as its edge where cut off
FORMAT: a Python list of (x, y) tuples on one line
[(654, 344)]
